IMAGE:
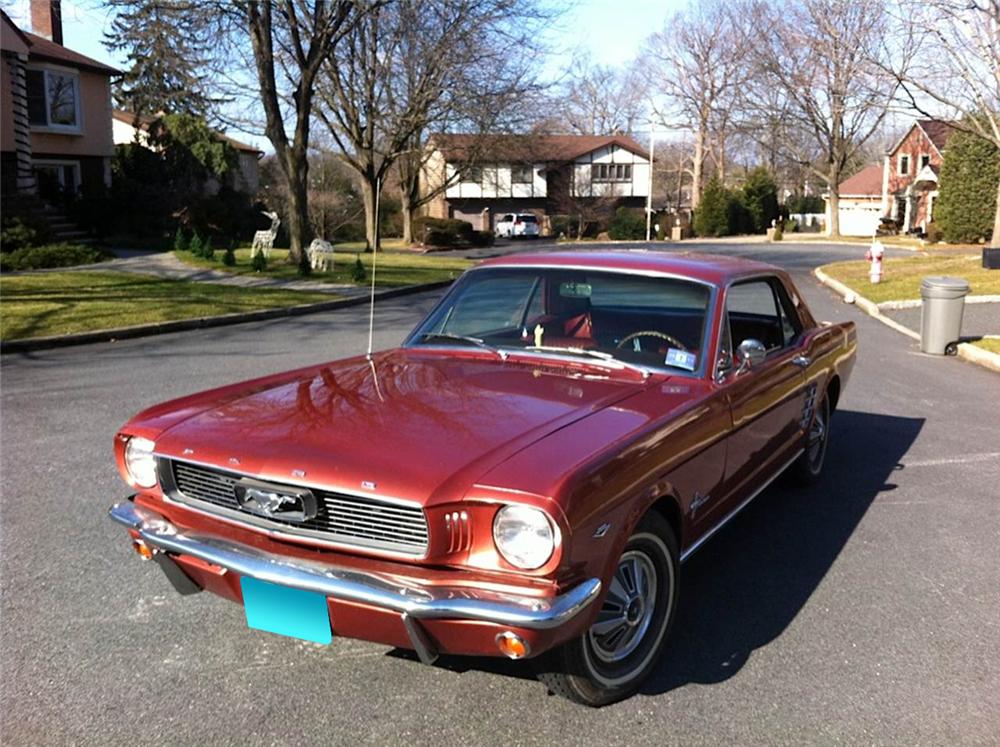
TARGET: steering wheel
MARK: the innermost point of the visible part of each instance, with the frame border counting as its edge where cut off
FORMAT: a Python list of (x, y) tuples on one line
[(651, 333)]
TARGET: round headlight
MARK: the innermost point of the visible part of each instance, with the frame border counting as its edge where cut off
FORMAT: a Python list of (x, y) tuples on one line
[(524, 536), (140, 461)]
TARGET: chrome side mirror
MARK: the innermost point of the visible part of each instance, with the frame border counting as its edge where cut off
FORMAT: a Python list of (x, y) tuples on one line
[(752, 353)]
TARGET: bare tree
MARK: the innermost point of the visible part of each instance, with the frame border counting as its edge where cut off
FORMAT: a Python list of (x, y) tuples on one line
[(416, 64), (599, 99), (696, 67), (289, 40), (949, 59), (819, 65)]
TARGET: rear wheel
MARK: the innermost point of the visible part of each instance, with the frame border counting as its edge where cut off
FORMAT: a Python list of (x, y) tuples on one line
[(610, 660)]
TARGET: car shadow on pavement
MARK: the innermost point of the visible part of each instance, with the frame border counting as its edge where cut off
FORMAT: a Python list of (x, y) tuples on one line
[(745, 586)]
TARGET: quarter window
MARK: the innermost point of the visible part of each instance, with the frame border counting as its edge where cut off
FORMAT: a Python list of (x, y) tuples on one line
[(53, 98)]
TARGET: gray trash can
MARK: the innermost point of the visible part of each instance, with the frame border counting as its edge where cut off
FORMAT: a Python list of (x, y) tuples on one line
[(943, 303)]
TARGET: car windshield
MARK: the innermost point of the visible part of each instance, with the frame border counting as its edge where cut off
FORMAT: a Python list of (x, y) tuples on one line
[(655, 322)]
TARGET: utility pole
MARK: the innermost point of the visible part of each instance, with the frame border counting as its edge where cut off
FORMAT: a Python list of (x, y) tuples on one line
[(649, 181)]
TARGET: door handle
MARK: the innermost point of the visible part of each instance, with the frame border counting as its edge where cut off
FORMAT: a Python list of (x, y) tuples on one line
[(802, 361)]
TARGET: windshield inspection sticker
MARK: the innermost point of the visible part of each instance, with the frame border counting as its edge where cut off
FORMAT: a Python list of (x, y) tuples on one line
[(680, 359)]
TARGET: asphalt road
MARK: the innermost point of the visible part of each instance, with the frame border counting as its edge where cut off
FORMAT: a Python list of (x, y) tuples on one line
[(865, 610)]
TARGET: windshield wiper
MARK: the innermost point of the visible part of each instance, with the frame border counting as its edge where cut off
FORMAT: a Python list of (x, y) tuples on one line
[(598, 354), (463, 338)]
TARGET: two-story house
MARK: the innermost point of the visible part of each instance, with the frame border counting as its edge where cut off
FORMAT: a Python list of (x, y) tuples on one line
[(55, 110), (128, 127), (481, 178), (910, 174), (902, 188)]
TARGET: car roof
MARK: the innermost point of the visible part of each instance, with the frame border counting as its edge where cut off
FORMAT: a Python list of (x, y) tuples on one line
[(710, 268)]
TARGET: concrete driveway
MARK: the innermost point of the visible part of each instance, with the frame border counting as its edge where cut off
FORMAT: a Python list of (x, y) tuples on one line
[(865, 610)]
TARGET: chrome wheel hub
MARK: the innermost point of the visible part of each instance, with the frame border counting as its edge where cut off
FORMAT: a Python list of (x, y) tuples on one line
[(627, 610)]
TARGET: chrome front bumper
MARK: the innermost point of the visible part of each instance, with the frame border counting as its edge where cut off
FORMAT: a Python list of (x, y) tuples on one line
[(411, 601)]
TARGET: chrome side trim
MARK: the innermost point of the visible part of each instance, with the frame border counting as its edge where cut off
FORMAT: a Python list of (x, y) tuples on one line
[(350, 585), (708, 535)]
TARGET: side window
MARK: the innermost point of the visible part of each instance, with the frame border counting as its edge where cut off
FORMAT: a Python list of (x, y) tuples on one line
[(754, 314)]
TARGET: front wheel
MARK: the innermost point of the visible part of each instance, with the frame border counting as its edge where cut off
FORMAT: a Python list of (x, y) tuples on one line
[(611, 660)]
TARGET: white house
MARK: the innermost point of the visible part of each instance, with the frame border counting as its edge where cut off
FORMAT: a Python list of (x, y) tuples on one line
[(479, 178), (246, 176)]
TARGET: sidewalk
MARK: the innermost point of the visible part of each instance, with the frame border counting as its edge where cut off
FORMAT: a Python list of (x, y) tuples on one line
[(166, 265)]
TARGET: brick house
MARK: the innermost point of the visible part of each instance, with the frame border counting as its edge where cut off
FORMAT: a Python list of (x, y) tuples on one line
[(910, 174), (479, 179), (55, 110)]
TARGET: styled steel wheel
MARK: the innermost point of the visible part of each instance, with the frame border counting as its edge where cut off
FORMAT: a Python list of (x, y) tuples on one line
[(809, 466), (610, 660)]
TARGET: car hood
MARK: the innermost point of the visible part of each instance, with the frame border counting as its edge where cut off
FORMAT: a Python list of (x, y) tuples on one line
[(416, 425)]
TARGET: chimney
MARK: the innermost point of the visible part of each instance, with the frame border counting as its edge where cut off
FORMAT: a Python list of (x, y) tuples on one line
[(46, 19)]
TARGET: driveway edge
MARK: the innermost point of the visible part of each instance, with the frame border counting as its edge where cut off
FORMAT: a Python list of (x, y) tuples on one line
[(966, 351), (182, 325)]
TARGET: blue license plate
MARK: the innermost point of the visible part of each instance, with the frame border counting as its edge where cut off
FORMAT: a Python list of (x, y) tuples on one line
[(292, 612)]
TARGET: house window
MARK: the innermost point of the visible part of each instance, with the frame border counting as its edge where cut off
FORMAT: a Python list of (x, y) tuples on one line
[(53, 98), (612, 172), (520, 174), (904, 166), (473, 175), (925, 160), (56, 178)]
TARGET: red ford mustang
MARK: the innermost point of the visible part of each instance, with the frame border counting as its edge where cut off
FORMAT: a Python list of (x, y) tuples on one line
[(522, 477)]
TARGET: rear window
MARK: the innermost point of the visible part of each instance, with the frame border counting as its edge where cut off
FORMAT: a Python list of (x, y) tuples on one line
[(529, 218)]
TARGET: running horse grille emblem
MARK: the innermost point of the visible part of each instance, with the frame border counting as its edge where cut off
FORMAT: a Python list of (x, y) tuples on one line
[(275, 502)]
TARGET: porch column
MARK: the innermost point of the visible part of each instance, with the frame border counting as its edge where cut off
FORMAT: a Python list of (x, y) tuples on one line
[(908, 212)]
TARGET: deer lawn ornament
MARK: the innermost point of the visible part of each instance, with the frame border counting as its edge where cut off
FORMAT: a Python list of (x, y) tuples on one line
[(263, 241), (320, 255)]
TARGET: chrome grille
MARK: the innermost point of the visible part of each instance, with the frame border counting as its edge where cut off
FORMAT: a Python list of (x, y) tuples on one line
[(344, 519)]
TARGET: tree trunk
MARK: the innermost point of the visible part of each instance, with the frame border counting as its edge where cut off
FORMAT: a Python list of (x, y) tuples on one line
[(697, 166), (833, 230), (298, 205), (406, 213), (368, 188), (995, 241)]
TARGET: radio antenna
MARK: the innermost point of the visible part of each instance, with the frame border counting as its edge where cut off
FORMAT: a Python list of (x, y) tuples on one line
[(371, 305)]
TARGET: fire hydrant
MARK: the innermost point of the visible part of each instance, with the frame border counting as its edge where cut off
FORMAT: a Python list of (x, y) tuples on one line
[(874, 256)]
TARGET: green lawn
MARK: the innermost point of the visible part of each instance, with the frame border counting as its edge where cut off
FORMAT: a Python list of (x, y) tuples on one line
[(394, 268), (57, 303), (901, 280), (992, 344)]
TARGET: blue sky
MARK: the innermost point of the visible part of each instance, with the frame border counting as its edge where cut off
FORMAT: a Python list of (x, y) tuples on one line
[(611, 30)]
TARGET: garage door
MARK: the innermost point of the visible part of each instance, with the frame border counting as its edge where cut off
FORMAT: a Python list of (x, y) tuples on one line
[(859, 221)]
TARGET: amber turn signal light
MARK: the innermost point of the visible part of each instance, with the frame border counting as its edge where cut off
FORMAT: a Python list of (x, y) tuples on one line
[(143, 550), (512, 645)]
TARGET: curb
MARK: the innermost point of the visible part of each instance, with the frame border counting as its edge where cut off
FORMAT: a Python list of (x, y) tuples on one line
[(182, 325), (966, 351)]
